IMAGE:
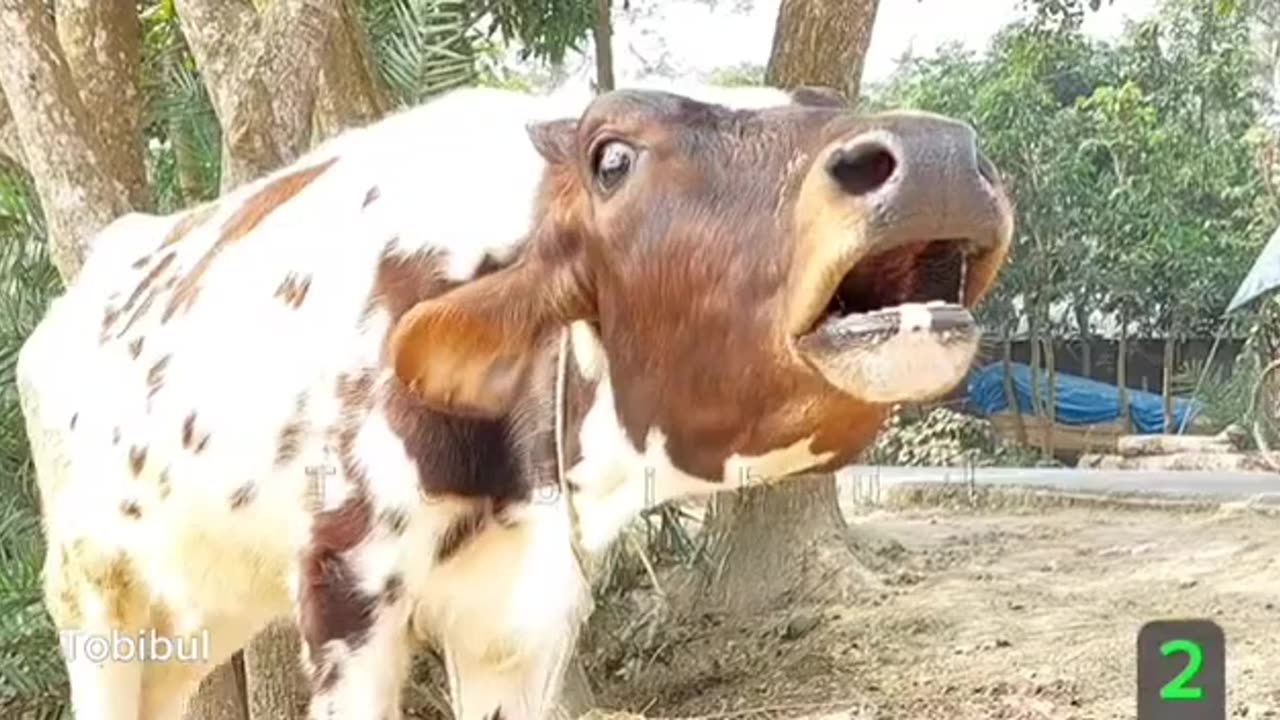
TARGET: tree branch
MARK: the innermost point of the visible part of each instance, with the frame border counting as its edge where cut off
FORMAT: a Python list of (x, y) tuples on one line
[(102, 43), (77, 193)]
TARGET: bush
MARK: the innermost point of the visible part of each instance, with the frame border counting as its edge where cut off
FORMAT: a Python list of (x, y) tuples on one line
[(943, 437)]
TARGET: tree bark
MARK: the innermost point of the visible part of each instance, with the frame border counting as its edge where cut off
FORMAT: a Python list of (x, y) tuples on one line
[(1086, 344), (243, 56), (1166, 382), (350, 93), (821, 42), (1122, 372), (78, 193), (1011, 396), (1051, 403), (790, 540), (602, 34), (220, 696), (102, 42), (1034, 348), (274, 653), (785, 544), (10, 145)]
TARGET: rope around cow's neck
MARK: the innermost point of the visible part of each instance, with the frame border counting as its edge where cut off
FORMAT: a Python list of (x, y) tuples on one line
[(560, 418)]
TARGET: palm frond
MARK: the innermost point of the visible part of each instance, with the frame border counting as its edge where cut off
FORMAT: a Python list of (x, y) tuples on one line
[(32, 679), (184, 138), (422, 47)]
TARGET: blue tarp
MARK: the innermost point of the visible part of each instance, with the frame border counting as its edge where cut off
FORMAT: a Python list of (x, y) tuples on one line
[(1080, 401)]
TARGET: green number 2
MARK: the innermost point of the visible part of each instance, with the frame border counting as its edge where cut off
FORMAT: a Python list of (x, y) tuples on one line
[(1176, 689)]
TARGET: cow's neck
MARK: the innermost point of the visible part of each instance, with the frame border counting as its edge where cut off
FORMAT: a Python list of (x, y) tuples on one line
[(512, 460), (609, 480)]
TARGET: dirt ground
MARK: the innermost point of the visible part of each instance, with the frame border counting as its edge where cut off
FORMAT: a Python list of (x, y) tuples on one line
[(1019, 613)]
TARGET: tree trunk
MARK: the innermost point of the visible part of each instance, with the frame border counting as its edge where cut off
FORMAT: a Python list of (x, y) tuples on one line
[(1086, 349), (1086, 356), (102, 42), (786, 544), (268, 662), (789, 539), (1051, 405), (1086, 344), (1166, 382), (1033, 337), (1011, 396), (78, 189), (821, 42), (350, 92), (602, 34), (220, 696), (241, 55), (1122, 372)]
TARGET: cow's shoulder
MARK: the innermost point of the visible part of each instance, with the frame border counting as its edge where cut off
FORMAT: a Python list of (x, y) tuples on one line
[(235, 319)]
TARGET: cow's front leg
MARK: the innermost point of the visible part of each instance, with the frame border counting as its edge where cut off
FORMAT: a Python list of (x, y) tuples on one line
[(354, 618), (516, 687)]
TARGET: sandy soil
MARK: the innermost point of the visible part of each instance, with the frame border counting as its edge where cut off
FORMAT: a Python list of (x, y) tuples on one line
[(1013, 614)]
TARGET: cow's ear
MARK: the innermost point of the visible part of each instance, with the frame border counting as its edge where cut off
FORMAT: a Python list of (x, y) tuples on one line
[(818, 96), (554, 140), (468, 352)]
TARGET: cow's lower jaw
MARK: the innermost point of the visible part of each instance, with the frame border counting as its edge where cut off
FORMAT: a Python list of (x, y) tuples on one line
[(896, 328)]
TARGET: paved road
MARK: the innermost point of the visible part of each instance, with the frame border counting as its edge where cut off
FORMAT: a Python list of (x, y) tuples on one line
[(1207, 484)]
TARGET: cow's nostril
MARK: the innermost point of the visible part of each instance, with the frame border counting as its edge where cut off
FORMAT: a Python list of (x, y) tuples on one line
[(862, 168)]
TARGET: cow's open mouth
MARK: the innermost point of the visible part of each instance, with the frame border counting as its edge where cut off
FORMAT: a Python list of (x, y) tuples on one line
[(897, 326), (915, 287)]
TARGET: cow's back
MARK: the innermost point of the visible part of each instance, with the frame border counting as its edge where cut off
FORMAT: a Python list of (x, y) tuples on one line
[(182, 394)]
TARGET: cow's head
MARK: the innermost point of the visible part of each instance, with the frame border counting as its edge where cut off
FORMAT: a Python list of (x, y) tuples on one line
[(758, 281)]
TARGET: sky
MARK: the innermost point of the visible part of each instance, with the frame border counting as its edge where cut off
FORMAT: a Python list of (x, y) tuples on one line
[(688, 38)]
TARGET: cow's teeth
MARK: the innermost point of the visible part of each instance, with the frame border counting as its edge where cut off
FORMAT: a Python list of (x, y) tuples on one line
[(914, 317)]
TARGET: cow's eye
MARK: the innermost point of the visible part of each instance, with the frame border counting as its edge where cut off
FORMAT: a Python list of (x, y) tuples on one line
[(612, 164)]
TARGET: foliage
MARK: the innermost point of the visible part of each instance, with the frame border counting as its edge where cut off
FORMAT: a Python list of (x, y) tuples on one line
[(1062, 14), (741, 75), (32, 680), (421, 47), (1225, 395), (1130, 163), (546, 29), (181, 129), (943, 437)]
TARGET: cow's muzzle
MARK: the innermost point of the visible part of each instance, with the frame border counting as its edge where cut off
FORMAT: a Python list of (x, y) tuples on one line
[(903, 228)]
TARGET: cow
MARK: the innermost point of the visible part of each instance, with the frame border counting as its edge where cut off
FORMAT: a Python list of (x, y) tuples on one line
[(406, 388)]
